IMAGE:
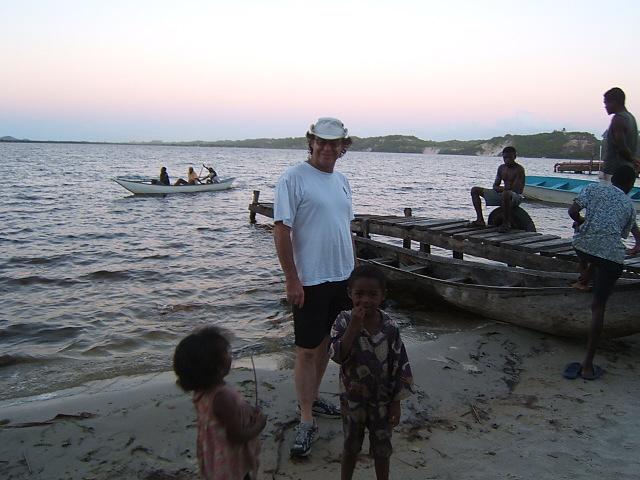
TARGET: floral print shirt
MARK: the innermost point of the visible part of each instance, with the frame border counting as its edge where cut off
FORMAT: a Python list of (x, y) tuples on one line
[(609, 216), (376, 369)]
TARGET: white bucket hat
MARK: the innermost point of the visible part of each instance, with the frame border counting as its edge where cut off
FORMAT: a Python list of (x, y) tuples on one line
[(328, 128)]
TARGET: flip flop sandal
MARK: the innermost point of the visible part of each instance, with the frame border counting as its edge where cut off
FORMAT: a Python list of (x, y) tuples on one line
[(572, 371)]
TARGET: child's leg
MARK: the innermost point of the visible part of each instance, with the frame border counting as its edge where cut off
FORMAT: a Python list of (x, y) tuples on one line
[(353, 425), (347, 465), (587, 274), (379, 428), (382, 468)]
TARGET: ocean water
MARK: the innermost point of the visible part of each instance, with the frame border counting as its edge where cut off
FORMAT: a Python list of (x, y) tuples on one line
[(97, 283)]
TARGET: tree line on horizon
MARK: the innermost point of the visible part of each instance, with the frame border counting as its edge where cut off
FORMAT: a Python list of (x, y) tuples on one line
[(556, 144)]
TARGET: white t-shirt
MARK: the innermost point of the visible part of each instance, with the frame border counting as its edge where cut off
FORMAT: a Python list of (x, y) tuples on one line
[(317, 207)]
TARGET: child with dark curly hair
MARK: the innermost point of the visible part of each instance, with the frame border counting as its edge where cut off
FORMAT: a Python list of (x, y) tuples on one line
[(228, 427)]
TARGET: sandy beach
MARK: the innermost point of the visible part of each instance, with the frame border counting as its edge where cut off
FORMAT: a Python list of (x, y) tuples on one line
[(490, 403)]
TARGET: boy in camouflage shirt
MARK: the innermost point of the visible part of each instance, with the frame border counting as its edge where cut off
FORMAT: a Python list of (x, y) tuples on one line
[(374, 375)]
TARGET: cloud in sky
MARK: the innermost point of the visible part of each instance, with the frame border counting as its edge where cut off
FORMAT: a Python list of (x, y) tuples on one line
[(214, 70)]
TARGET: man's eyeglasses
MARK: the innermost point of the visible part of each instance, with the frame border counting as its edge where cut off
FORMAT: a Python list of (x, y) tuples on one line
[(321, 142)]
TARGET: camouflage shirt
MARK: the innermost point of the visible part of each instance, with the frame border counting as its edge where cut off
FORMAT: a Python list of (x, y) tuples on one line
[(376, 369)]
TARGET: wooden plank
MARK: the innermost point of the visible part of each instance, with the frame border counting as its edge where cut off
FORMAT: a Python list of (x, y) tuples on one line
[(468, 234), (632, 262), (556, 252), (368, 216), (261, 210), (478, 237), (568, 254), (413, 268), (395, 221), (491, 252), (536, 247), (445, 228), (508, 236), (487, 237), (523, 241), (560, 249), (515, 234), (498, 237), (384, 260), (427, 224), (458, 230)]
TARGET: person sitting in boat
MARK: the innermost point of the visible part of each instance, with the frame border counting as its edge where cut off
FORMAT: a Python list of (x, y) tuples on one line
[(192, 178), (610, 216), (212, 177), (164, 177), (507, 196)]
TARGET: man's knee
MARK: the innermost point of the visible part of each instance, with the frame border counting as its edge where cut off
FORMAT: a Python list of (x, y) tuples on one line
[(306, 355), (477, 191)]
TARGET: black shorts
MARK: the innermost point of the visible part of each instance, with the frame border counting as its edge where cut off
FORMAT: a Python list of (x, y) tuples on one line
[(322, 304), (605, 274)]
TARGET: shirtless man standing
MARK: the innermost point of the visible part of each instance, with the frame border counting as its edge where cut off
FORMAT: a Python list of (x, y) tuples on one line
[(509, 196), (621, 138)]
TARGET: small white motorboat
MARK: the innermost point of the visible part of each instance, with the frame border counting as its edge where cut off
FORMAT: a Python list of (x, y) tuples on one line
[(146, 187)]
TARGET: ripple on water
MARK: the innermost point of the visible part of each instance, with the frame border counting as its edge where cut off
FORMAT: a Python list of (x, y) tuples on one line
[(37, 280)]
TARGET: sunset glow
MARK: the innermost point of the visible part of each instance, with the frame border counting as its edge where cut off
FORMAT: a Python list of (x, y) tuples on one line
[(117, 71)]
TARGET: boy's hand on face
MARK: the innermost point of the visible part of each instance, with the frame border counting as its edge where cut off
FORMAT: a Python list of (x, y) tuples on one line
[(357, 318)]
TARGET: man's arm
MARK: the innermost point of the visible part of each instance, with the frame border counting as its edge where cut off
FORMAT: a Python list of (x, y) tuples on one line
[(284, 248), (498, 180), (636, 236), (574, 213)]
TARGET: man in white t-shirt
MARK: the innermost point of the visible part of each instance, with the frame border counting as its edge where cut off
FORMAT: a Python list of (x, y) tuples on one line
[(312, 215)]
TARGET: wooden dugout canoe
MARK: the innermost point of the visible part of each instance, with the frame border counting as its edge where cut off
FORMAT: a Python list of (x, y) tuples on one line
[(542, 301)]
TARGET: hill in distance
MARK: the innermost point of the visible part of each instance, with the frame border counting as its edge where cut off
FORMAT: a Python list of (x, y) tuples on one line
[(556, 144)]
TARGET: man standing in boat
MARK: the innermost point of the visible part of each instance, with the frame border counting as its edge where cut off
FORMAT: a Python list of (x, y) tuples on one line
[(610, 216), (312, 215), (621, 138), (509, 196)]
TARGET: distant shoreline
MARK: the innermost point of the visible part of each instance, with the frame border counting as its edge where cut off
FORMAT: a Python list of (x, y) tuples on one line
[(556, 144)]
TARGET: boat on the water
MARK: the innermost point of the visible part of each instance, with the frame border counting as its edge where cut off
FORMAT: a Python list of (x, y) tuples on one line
[(563, 190), (539, 300), (147, 187)]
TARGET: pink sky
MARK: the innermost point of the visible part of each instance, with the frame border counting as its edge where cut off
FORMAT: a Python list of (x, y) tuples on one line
[(203, 70)]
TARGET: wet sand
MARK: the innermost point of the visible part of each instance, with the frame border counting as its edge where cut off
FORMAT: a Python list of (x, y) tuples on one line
[(490, 403)]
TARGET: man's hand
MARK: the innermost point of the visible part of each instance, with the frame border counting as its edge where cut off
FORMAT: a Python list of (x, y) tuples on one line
[(636, 164), (295, 292), (499, 188), (577, 223)]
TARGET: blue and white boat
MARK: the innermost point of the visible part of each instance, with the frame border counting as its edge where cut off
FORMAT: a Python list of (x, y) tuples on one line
[(563, 190)]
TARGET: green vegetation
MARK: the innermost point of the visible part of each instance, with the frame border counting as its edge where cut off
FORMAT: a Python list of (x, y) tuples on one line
[(570, 145), (557, 144)]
